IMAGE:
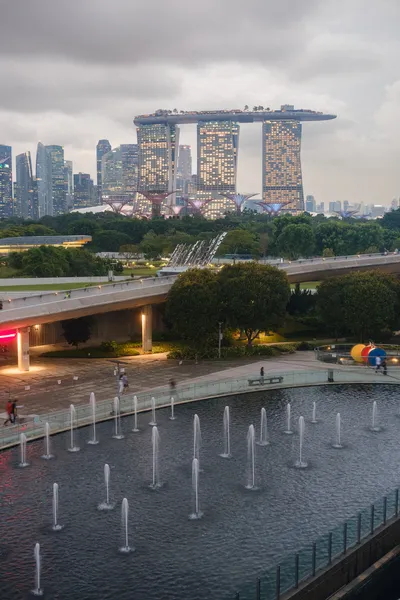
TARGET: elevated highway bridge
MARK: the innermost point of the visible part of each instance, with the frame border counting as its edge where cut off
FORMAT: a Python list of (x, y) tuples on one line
[(22, 313)]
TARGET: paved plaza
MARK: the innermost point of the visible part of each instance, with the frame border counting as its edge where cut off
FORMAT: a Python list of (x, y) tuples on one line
[(53, 384)]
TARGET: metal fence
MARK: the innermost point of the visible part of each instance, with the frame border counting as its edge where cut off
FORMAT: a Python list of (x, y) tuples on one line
[(60, 420), (298, 567)]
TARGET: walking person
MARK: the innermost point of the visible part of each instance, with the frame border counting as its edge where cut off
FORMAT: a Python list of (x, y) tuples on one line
[(384, 366), (378, 364), (9, 411), (262, 374), (125, 381), (13, 412), (120, 384)]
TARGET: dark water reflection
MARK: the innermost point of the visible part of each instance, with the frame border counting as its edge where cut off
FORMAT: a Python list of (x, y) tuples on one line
[(241, 535)]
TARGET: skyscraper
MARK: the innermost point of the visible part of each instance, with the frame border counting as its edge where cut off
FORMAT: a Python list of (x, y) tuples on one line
[(26, 189), (157, 154), (6, 191), (59, 190), (111, 173), (184, 171), (217, 157), (282, 179), (311, 205), (129, 159), (102, 148), (69, 184), (83, 190), (43, 180)]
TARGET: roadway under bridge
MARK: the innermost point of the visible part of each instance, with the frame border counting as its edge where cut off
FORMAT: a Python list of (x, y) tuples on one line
[(23, 313)]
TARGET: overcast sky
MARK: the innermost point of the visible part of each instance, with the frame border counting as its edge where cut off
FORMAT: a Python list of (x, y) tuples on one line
[(73, 72)]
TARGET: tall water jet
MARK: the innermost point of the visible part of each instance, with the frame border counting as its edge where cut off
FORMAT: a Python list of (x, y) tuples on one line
[(107, 505), (47, 454), (251, 459), (118, 435), (153, 421), (135, 411), (155, 441), (374, 423), (56, 525), (338, 440), (125, 548), (22, 446), (263, 441), (72, 442), (92, 401), (227, 434), (37, 591), (288, 419), (196, 437), (172, 417), (196, 514), (314, 413), (301, 463)]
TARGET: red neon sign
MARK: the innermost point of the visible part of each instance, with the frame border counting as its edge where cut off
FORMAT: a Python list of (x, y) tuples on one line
[(7, 335)]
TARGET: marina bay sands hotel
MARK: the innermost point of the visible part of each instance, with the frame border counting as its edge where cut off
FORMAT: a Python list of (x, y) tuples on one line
[(217, 152)]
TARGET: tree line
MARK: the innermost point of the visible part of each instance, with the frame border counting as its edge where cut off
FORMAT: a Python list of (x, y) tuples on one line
[(256, 298), (250, 233)]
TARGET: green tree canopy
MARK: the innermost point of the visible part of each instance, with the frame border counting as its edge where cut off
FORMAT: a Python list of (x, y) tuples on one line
[(77, 331), (253, 297), (296, 241), (192, 306), (240, 241)]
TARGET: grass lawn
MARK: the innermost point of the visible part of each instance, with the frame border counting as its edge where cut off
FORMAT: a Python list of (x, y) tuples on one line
[(141, 271), (44, 287), (307, 285), (123, 349)]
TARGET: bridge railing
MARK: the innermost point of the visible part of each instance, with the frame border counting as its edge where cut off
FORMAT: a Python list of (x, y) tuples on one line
[(296, 568), (92, 291), (60, 420)]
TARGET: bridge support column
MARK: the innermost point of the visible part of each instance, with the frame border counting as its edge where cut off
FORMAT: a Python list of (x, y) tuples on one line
[(147, 328), (23, 348)]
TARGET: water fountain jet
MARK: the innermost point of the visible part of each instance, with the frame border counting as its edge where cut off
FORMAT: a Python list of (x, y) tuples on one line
[(172, 417), (251, 459), (56, 525), (47, 454), (314, 414), (263, 441), (153, 421), (135, 410), (288, 430), (338, 441), (301, 464), (73, 447), (22, 443), (125, 548), (196, 514), (37, 591), (107, 505), (227, 434), (196, 437), (155, 440), (92, 401), (118, 435), (374, 425)]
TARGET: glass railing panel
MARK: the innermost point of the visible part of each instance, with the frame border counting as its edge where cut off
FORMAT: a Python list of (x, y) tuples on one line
[(322, 552), (305, 563), (337, 541), (288, 576)]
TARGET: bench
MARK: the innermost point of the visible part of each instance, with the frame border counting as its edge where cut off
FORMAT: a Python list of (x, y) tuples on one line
[(264, 380)]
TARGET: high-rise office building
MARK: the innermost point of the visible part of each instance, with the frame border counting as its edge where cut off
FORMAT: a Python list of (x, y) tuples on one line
[(102, 148), (282, 179), (6, 181), (43, 181), (58, 186), (311, 205), (25, 188), (184, 170), (111, 173), (217, 158), (69, 184), (83, 190), (129, 159), (157, 157), (335, 206)]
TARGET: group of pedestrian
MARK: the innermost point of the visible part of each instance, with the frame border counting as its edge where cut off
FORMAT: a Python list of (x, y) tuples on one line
[(11, 410)]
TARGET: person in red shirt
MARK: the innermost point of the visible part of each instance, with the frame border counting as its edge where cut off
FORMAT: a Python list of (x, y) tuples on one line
[(9, 410)]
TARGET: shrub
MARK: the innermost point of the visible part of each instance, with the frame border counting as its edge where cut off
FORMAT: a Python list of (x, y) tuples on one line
[(109, 346)]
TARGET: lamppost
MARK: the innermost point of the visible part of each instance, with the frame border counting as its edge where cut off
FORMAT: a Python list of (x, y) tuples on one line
[(219, 338)]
